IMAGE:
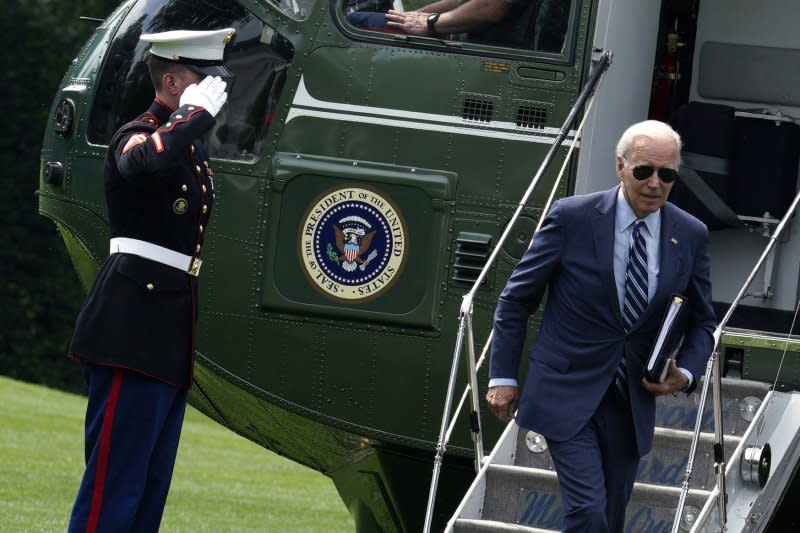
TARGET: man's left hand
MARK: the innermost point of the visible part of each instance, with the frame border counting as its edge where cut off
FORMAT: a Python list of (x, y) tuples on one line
[(676, 381), (411, 22)]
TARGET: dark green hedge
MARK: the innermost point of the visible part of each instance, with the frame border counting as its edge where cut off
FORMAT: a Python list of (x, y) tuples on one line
[(39, 291)]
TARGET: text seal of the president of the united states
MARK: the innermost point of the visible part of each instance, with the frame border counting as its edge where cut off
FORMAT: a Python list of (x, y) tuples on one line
[(352, 243)]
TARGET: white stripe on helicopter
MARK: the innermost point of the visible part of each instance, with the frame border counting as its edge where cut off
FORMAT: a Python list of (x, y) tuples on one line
[(305, 105)]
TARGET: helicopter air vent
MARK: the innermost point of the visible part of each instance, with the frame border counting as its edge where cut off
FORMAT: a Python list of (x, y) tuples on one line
[(472, 251), (531, 117), (478, 110)]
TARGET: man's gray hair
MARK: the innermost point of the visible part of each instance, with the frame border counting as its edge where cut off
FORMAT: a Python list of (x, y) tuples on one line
[(653, 129)]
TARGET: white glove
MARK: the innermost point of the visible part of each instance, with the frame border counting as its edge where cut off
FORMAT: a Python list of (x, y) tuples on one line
[(209, 94)]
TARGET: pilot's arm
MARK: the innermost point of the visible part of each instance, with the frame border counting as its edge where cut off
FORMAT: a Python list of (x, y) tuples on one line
[(464, 17)]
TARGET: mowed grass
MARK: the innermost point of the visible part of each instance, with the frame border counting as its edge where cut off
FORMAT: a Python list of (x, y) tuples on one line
[(222, 482)]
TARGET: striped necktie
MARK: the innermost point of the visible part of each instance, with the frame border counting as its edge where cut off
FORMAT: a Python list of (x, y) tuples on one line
[(635, 296), (635, 278)]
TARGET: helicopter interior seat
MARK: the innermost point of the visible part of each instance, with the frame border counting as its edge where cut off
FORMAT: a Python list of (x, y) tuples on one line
[(739, 163), (705, 188)]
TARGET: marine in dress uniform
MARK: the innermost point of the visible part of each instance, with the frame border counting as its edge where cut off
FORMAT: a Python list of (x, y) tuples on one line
[(136, 332)]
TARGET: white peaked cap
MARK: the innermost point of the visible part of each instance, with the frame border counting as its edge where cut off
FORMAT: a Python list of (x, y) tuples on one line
[(190, 46)]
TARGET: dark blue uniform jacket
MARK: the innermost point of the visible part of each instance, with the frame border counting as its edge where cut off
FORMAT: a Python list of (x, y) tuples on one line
[(140, 314)]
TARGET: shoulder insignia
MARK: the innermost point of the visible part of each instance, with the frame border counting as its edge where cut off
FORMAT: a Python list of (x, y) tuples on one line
[(157, 142), (134, 140)]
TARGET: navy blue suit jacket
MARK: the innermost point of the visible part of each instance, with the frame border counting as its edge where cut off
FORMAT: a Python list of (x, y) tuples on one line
[(582, 338)]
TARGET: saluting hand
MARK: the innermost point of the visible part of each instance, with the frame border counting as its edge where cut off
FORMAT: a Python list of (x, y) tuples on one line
[(503, 401), (676, 381), (209, 94)]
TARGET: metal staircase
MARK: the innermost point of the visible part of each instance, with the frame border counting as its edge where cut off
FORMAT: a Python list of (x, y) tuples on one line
[(517, 489), (742, 446)]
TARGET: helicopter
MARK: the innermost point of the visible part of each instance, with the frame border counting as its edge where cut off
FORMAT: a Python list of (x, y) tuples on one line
[(363, 179)]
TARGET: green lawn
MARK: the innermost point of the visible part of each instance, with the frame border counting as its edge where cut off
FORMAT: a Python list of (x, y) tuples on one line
[(222, 482)]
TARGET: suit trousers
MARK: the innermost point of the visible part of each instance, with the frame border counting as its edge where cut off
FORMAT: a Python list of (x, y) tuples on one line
[(133, 425), (597, 468)]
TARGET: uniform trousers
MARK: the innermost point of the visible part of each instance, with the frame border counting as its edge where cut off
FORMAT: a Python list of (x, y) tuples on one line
[(597, 468), (133, 425)]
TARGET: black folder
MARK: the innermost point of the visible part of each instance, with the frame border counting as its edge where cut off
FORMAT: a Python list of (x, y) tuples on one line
[(668, 340)]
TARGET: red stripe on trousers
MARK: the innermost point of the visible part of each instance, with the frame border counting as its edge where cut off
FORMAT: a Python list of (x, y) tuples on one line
[(103, 452)]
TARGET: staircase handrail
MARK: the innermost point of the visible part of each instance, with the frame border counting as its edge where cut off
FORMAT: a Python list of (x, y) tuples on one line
[(465, 313), (713, 366)]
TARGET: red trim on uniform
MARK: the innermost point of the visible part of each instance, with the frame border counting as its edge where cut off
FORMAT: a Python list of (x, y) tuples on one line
[(134, 140), (150, 117), (187, 118), (157, 142), (81, 359), (103, 453)]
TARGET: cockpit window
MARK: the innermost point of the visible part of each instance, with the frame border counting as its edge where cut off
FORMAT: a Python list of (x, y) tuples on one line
[(533, 25), (258, 57)]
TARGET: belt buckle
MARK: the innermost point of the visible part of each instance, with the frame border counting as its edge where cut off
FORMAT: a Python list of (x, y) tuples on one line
[(194, 266)]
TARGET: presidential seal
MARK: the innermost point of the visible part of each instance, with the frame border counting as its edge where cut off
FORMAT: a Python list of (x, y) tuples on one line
[(352, 243)]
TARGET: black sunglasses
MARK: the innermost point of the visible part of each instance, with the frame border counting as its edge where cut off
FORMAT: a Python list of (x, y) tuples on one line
[(667, 175)]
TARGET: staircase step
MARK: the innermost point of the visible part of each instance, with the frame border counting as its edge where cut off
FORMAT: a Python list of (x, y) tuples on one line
[(664, 465), (529, 497), (464, 525), (680, 411), (667, 461), (524, 496)]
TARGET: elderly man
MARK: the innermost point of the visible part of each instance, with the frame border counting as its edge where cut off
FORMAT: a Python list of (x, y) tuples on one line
[(610, 262), (135, 334)]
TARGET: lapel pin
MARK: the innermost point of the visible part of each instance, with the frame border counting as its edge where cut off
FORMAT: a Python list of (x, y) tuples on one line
[(674, 240)]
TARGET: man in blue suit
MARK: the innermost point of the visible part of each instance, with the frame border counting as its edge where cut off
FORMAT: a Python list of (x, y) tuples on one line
[(610, 262)]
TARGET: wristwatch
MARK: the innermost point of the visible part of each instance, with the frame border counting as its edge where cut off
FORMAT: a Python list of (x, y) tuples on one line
[(432, 23)]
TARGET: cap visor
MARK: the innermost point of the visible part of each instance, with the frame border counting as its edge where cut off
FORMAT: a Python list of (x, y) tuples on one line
[(211, 70)]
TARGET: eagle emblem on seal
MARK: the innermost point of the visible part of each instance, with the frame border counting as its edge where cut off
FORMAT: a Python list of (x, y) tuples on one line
[(353, 237)]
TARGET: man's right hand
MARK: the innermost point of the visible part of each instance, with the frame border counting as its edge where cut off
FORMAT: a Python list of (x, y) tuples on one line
[(209, 94), (503, 401)]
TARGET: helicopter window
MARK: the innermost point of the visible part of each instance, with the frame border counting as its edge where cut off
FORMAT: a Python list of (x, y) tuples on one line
[(258, 57), (535, 25)]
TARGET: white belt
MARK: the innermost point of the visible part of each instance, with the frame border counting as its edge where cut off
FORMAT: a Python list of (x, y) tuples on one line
[(154, 252)]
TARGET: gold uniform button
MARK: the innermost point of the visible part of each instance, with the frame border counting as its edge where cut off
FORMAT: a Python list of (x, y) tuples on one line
[(203, 188), (150, 286), (205, 163), (180, 206), (205, 209), (179, 116), (198, 168), (190, 108), (201, 228), (168, 124), (197, 248), (192, 148), (184, 188)]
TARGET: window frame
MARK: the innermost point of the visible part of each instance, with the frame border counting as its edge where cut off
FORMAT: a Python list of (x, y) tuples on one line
[(563, 59)]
